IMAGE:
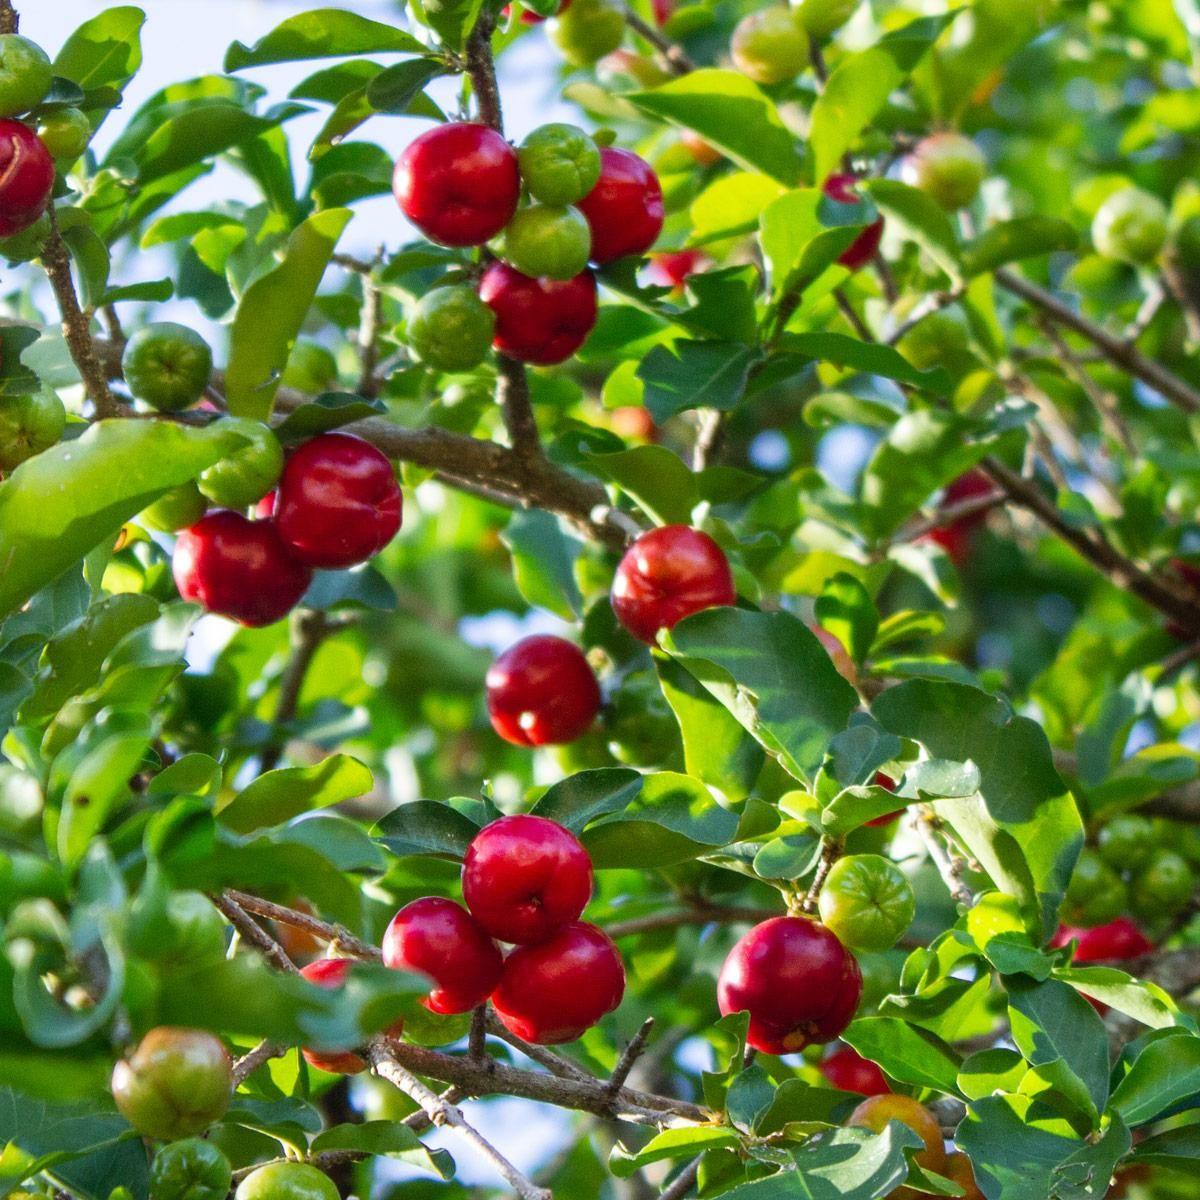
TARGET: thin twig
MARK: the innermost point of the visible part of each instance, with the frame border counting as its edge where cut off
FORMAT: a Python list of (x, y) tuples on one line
[(671, 55), (556, 1064), (962, 510), (477, 1043), (851, 314), (282, 915), (629, 1056), (512, 394), (245, 1066), (309, 629), (368, 336), (697, 915), (949, 866), (930, 305), (709, 437), (831, 851), (482, 70), (683, 1182), (252, 932), (10, 22)]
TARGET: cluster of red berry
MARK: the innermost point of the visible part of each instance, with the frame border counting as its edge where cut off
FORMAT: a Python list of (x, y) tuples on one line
[(526, 880)]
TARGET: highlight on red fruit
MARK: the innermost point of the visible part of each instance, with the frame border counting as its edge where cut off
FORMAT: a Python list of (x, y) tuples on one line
[(667, 574), (625, 209), (458, 184), (26, 177), (542, 692), (864, 247), (799, 984), (330, 973), (539, 321), (525, 877), (440, 939), (672, 268), (845, 1068), (556, 990), (1115, 942)]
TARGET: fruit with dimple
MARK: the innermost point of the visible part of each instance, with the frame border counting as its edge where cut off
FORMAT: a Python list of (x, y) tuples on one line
[(176, 1083), (191, 1169), (451, 328), (1117, 941), (65, 133), (841, 188), (770, 46), (845, 1068), (799, 984), (330, 973), (440, 939), (867, 902), (948, 168), (29, 425), (25, 74), (559, 163), (525, 877), (539, 321), (624, 210), (547, 240), (959, 1169), (1131, 226), (541, 691), (667, 574), (587, 31), (26, 177), (167, 365), (248, 473), (287, 1181), (458, 183), (875, 1112), (555, 990)]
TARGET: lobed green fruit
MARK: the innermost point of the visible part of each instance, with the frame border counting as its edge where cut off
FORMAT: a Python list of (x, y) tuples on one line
[(559, 163), (177, 509), (287, 1181), (25, 74), (820, 18), (451, 328), (1127, 842), (547, 241), (192, 1169), (867, 902), (1131, 226), (1096, 893), (247, 475), (1163, 887), (770, 46), (310, 368), (167, 366), (65, 133), (587, 31), (948, 168), (29, 425)]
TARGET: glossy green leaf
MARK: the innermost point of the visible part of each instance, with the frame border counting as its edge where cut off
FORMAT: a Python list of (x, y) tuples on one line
[(321, 33), (280, 795)]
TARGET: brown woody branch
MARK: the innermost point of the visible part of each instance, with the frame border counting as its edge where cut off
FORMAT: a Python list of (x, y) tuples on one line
[(672, 56), (10, 22)]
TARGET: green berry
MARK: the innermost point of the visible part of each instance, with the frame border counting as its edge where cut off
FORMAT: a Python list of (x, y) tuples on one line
[(1131, 226), (587, 31), (287, 1181), (192, 1169), (545, 241), (65, 133), (25, 74), (1096, 894), (310, 368), (1163, 887), (451, 329), (559, 163), (29, 425), (948, 168), (247, 475), (867, 902), (822, 17), (28, 244), (1127, 842), (167, 366), (177, 509), (770, 46)]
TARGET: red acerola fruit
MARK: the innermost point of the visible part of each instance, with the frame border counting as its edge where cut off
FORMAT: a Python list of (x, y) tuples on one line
[(845, 1068), (672, 268), (541, 692), (331, 973), (238, 568), (26, 177), (955, 537), (458, 184), (1115, 942), (338, 502), (625, 209), (668, 574), (440, 939), (554, 991), (864, 247), (529, 17), (889, 784), (662, 10), (539, 321), (524, 877), (799, 984)]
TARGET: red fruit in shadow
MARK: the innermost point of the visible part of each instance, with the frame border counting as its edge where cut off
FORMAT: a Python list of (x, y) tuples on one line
[(525, 877), (529, 17), (331, 973), (672, 268), (26, 177), (955, 538), (440, 939), (666, 575), (625, 209), (845, 1068), (458, 184), (539, 321), (554, 991), (799, 984), (864, 247), (1117, 941), (238, 568), (885, 781), (541, 692)]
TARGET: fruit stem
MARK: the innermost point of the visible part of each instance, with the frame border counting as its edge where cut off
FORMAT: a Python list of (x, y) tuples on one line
[(831, 851)]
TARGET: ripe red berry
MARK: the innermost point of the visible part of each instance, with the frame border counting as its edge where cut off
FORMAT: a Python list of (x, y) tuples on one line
[(666, 575), (331, 973), (554, 991), (238, 568), (440, 939), (458, 183), (845, 1068), (539, 321), (672, 268), (863, 248), (525, 877), (625, 208), (889, 784), (541, 692), (1117, 941), (26, 177), (797, 981), (955, 537), (338, 501)]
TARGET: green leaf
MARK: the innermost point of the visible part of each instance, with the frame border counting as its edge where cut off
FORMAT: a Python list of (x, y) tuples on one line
[(321, 33), (105, 52), (731, 113), (671, 1144), (364, 587), (544, 555), (394, 89), (330, 410), (581, 798), (1011, 241), (691, 374), (1178, 1149), (1136, 998), (907, 1053), (919, 218), (845, 609), (655, 478), (61, 504), (426, 827), (1165, 1073), (272, 312), (386, 1137), (872, 358), (280, 795)]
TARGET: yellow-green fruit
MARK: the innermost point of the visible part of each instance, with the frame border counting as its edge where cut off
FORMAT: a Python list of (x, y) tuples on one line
[(28, 244), (770, 46), (933, 341), (25, 74), (310, 368), (559, 163), (823, 17), (547, 241), (867, 902), (65, 133), (451, 329), (249, 473), (948, 168), (177, 509), (287, 1181), (1131, 226), (587, 31), (29, 425)]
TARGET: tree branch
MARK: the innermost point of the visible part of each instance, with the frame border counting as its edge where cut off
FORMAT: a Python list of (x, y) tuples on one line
[(512, 394), (309, 630), (10, 22), (949, 866), (252, 932), (672, 56)]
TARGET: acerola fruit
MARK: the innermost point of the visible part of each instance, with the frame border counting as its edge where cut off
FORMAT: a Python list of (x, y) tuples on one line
[(845, 1068), (673, 268), (587, 31), (440, 939), (1131, 226), (238, 568), (667, 574), (1127, 842), (330, 973), (559, 163), (167, 365), (799, 984), (246, 475), (26, 177), (547, 240), (867, 902), (1095, 894), (175, 1084), (539, 321), (451, 328), (948, 168), (770, 46), (1117, 941), (458, 184), (65, 133), (338, 502), (1163, 887), (625, 209), (889, 785), (875, 1112), (25, 74), (633, 422), (310, 368), (542, 691), (29, 425), (191, 1169), (704, 154), (955, 537), (554, 991), (958, 1168), (287, 1181), (866, 245), (525, 877), (822, 17), (177, 509)]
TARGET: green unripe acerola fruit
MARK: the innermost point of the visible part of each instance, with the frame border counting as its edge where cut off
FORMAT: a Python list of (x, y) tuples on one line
[(1131, 226), (823, 17), (192, 1169), (29, 425), (1096, 894), (177, 509), (1163, 887), (867, 902), (287, 1181), (167, 366), (587, 31), (1127, 842), (948, 168), (249, 473), (310, 368), (770, 46), (559, 163), (25, 74), (545, 240), (451, 329), (65, 133)]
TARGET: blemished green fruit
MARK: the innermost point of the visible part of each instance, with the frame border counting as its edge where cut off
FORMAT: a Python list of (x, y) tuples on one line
[(29, 425), (559, 163), (248, 474), (770, 46), (867, 902), (65, 133), (948, 168), (451, 328), (823, 17), (192, 1169), (1096, 893), (28, 244), (174, 510), (1163, 887), (1131, 226), (25, 74), (547, 241), (587, 31), (310, 368), (287, 1181), (1127, 842), (167, 366)]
